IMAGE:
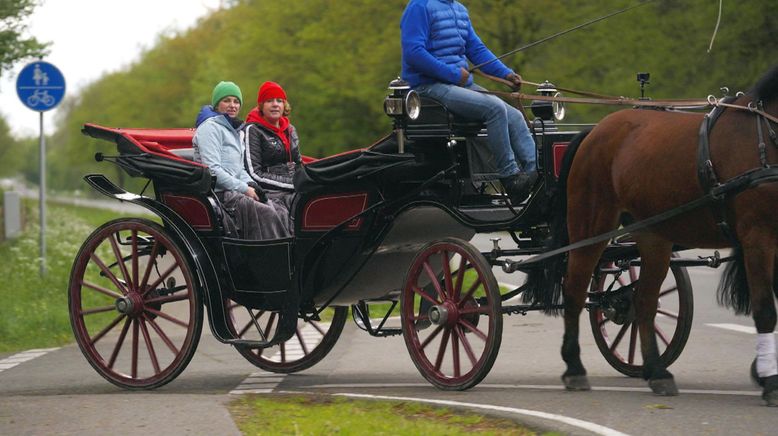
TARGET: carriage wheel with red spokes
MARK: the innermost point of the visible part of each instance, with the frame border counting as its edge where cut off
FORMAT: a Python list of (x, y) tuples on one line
[(614, 327), (312, 340), (134, 309), (453, 328)]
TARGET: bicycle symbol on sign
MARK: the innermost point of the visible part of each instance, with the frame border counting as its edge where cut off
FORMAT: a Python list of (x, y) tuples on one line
[(40, 86), (40, 97)]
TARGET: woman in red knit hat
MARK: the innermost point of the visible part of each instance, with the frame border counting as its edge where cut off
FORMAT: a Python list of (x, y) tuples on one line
[(272, 152)]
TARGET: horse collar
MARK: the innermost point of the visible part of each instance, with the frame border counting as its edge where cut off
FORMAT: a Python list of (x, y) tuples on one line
[(706, 174)]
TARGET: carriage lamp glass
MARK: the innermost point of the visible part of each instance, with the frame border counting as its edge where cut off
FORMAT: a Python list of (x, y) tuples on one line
[(393, 106), (559, 108), (412, 105)]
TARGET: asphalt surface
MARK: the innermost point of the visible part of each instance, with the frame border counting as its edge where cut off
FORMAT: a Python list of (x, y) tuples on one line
[(59, 393)]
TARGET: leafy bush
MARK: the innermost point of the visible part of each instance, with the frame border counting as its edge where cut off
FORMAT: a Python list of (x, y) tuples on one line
[(34, 312)]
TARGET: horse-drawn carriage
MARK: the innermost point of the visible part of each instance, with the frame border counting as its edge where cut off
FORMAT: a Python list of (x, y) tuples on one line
[(373, 228)]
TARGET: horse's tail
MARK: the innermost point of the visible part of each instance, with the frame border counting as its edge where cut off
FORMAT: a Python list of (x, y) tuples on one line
[(544, 282), (733, 287)]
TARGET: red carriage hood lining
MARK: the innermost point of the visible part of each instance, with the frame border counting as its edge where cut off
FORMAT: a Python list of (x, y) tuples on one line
[(151, 140)]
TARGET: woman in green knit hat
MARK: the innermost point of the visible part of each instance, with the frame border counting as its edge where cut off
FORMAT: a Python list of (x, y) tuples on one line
[(217, 144)]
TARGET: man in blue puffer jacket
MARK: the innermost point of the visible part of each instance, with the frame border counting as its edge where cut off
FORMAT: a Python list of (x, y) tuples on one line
[(437, 42)]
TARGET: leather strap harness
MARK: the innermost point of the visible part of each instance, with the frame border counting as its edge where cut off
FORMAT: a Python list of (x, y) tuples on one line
[(707, 175), (715, 192)]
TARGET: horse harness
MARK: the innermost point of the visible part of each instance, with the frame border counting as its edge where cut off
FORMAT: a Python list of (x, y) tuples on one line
[(715, 192), (706, 174)]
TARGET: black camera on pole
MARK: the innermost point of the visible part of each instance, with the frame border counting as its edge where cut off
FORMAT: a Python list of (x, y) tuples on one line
[(643, 79)]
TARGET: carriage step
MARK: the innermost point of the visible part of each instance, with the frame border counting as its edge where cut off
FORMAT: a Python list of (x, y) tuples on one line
[(381, 332), (249, 343), (385, 333)]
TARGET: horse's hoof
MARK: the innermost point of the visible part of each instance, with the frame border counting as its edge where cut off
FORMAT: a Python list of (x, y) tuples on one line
[(576, 383), (770, 399), (770, 391), (663, 386), (754, 376)]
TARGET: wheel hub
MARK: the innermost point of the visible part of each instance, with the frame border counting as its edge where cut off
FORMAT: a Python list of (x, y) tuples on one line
[(438, 315), (124, 305), (443, 314), (130, 304), (618, 307)]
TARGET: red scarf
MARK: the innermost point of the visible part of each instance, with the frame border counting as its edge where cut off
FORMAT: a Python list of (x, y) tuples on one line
[(280, 131)]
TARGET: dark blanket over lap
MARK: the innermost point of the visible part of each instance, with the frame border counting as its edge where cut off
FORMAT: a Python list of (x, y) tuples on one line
[(256, 220)]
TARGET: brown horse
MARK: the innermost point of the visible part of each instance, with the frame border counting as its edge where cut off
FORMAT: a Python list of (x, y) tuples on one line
[(640, 163)]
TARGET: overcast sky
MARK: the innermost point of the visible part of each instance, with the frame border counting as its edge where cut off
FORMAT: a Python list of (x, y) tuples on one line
[(92, 37)]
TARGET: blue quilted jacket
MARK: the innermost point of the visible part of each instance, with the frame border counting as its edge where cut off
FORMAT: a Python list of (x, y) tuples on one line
[(437, 40), (217, 144)]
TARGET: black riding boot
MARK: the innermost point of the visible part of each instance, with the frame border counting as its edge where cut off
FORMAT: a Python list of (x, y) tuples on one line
[(519, 186)]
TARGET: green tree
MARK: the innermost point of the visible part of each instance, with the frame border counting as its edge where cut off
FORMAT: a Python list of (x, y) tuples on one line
[(9, 154), (335, 60), (14, 45)]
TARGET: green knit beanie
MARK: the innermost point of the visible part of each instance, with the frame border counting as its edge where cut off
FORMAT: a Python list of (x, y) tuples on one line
[(225, 89)]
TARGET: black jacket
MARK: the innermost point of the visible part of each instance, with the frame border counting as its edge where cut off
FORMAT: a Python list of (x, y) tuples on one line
[(267, 160)]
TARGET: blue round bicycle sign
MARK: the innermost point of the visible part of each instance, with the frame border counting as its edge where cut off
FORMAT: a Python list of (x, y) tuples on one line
[(40, 86)]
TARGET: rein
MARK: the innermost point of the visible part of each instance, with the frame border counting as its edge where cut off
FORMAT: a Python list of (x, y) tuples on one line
[(749, 179), (758, 109), (710, 101), (715, 192)]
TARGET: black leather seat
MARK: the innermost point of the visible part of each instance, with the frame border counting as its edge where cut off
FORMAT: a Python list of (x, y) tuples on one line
[(436, 121)]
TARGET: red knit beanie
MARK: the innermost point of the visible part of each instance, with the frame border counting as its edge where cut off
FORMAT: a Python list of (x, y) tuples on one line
[(270, 90)]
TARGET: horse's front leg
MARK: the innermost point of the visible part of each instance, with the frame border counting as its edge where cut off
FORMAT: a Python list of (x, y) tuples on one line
[(574, 376), (579, 272), (655, 261), (760, 269)]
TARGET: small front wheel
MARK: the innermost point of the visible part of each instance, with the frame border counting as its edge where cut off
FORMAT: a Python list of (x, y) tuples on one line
[(613, 323), (451, 314), (134, 308), (312, 340)]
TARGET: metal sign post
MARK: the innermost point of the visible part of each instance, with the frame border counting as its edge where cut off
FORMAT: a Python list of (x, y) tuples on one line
[(41, 86)]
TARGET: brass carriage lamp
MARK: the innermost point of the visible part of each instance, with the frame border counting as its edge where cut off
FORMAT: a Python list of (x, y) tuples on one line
[(548, 110), (402, 102)]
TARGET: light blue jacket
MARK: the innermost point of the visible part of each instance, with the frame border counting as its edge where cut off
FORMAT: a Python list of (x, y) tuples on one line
[(437, 40), (217, 144)]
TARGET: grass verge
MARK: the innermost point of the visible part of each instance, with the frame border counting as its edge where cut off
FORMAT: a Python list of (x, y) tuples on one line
[(327, 415), (34, 312)]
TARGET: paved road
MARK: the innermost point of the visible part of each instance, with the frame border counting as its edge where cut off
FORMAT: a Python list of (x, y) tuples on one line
[(59, 392)]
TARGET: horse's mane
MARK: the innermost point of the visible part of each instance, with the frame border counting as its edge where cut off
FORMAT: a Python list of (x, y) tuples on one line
[(766, 89)]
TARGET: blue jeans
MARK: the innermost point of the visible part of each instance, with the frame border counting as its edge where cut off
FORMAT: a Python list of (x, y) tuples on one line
[(509, 136)]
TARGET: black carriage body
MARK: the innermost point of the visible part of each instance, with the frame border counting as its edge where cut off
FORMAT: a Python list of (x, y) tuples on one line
[(254, 273), (472, 191), (358, 214), (361, 217), (330, 248)]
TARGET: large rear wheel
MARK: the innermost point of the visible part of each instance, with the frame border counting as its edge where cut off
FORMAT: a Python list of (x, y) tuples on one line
[(453, 328), (134, 308), (613, 322), (312, 340)]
